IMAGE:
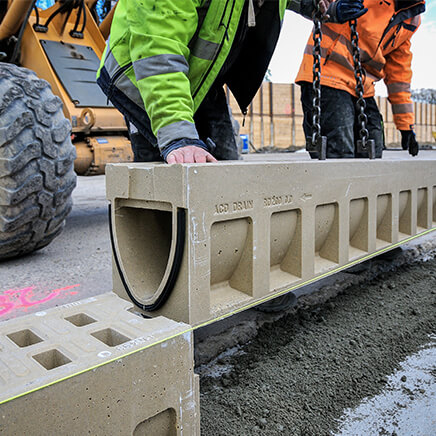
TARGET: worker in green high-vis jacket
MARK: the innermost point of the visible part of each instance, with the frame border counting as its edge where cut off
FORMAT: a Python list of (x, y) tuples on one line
[(166, 62)]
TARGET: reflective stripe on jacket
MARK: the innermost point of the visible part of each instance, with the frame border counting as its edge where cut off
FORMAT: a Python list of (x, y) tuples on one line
[(384, 40), (159, 59)]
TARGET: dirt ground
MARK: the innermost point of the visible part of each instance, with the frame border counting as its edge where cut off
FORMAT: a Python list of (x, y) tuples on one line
[(300, 372)]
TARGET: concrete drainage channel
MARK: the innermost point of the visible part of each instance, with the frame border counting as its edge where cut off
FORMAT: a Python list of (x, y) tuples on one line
[(190, 258), (359, 336)]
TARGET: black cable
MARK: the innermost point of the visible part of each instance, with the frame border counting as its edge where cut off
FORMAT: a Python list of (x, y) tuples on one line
[(75, 33), (63, 8), (64, 24), (37, 15), (84, 18), (79, 14), (14, 55)]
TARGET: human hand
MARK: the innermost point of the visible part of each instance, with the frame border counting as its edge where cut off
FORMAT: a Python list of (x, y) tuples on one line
[(188, 150), (409, 142), (189, 154), (323, 5), (341, 11)]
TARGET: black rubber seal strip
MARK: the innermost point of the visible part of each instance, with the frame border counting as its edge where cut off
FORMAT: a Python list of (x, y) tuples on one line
[(175, 267)]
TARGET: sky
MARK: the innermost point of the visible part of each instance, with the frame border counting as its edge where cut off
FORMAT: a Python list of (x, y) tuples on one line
[(296, 30)]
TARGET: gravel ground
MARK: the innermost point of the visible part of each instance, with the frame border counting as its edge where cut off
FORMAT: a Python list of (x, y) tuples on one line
[(407, 405), (80, 258), (300, 372)]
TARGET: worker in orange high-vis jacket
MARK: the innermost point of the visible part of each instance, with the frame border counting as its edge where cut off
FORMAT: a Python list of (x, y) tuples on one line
[(384, 39)]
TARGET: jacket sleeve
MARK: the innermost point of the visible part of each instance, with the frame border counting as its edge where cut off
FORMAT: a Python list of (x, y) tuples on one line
[(160, 33), (302, 7), (398, 77)]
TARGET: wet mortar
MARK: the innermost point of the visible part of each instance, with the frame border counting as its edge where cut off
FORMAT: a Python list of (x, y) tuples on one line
[(300, 372)]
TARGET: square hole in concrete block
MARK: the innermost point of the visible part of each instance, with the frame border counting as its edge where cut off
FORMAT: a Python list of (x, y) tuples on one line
[(231, 262), (422, 205), (384, 220), (405, 214), (285, 248), (24, 338), (110, 337), (326, 236), (359, 226), (51, 359), (80, 319)]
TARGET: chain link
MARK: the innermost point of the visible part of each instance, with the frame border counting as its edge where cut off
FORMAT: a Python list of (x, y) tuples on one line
[(359, 74), (316, 83)]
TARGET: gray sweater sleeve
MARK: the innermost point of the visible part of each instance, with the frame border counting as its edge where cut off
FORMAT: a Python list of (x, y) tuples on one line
[(302, 7)]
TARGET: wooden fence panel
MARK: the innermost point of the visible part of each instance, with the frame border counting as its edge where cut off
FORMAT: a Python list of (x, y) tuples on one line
[(275, 118)]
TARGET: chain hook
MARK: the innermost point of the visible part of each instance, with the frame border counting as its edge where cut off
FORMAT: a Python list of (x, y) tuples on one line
[(316, 142), (364, 144)]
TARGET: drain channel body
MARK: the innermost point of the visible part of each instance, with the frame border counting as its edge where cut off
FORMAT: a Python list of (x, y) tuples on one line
[(257, 229)]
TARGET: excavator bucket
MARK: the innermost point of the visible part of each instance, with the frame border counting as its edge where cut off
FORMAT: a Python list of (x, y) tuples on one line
[(68, 59)]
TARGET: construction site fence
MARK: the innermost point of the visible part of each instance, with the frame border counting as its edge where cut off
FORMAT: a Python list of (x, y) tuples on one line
[(275, 118)]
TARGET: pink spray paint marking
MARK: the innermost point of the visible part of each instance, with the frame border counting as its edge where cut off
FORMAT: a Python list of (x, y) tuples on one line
[(21, 299)]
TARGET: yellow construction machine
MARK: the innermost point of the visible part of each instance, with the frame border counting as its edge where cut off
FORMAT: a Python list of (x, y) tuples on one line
[(54, 119)]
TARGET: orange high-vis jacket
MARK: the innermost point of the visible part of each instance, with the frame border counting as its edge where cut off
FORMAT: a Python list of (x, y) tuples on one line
[(384, 41)]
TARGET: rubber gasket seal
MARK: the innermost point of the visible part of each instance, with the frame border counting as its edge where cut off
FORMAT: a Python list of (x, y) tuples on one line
[(175, 267)]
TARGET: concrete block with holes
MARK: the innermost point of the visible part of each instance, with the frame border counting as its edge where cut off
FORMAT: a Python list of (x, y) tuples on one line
[(94, 367), (195, 242)]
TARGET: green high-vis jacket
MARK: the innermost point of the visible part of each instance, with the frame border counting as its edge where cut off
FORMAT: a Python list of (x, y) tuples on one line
[(164, 55)]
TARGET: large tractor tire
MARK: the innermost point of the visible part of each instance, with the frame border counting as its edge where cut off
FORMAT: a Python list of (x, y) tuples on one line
[(36, 163)]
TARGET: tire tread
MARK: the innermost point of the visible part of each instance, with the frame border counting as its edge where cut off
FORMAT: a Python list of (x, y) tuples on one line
[(36, 163)]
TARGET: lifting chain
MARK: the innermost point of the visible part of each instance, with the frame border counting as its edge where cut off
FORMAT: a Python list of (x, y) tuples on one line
[(364, 144), (317, 143)]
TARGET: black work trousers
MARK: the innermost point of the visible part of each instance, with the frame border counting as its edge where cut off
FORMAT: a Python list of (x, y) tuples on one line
[(212, 120), (339, 122)]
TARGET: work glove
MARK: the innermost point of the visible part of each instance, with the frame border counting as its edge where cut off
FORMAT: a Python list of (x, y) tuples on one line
[(188, 150), (409, 142), (342, 11)]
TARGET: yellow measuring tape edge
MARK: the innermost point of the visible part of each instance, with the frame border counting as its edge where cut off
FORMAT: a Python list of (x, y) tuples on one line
[(219, 318)]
